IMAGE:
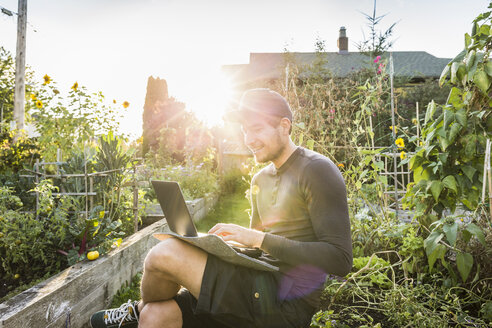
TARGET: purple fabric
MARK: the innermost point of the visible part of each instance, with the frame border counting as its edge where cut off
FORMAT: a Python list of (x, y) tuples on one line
[(300, 281)]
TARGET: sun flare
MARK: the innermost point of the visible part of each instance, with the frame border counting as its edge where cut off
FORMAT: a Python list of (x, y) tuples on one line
[(208, 98)]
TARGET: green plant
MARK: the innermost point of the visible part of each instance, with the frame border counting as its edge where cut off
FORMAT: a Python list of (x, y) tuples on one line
[(448, 166), (377, 276), (449, 234), (128, 291), (28, 245), (195, 181), (233, 181), (69, 122)]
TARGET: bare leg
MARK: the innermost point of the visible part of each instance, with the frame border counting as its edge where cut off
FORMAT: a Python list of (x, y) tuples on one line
[(169, 265), (163, 314)]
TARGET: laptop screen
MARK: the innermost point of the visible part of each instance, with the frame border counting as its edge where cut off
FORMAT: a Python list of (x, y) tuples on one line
[(174, 207)]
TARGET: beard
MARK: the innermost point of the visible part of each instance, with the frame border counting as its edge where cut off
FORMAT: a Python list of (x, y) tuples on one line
[(276, 151)]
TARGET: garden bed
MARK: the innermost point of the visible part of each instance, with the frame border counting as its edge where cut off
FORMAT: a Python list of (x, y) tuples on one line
[(70, 297)]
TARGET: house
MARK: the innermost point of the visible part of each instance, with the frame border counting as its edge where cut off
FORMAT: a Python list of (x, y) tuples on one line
[(411, 66), (416, 66)]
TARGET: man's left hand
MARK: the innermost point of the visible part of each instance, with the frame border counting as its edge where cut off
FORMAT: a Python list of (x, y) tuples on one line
[(247, 237)]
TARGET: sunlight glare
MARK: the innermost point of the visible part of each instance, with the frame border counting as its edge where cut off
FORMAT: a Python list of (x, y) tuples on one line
[(209, 98)]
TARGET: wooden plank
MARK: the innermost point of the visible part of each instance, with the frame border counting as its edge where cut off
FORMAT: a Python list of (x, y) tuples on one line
[(74, 194), (81, 289)]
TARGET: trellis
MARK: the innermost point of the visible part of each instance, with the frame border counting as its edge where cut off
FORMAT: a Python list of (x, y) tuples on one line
[(39, 173)]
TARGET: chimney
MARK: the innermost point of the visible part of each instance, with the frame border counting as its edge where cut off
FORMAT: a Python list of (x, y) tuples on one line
[(342, 42)]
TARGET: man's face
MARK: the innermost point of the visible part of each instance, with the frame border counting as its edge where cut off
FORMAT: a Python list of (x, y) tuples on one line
[(263, 139)]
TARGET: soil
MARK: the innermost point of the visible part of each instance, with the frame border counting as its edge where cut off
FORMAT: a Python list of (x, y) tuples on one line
[(6, 286)]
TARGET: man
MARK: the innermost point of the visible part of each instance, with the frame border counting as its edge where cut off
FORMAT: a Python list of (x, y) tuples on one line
[(299, 220)]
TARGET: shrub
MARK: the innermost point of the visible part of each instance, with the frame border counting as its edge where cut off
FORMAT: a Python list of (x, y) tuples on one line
[(232, 182)]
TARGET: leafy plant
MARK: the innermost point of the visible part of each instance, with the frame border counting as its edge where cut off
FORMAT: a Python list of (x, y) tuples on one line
[(448, 166), (446, 234), (69, 122)]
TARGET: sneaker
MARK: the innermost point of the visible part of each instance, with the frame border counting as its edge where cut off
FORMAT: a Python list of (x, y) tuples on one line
[(125, 316)]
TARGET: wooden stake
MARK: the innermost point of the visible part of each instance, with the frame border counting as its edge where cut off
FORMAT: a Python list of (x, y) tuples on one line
[(20, 68)]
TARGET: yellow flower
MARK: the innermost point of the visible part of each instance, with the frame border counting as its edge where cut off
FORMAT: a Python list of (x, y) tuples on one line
[(394, 127), (421, 143), (255, 189), (340, 165), (47, 79), (114, 101), (414, 121), (400, 143), (39, 104), (403, 155), (126, 104), (33, 96), (116, 243), (75, 86)]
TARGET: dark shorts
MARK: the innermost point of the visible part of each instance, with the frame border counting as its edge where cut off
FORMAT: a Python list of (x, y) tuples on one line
[(235, 296)]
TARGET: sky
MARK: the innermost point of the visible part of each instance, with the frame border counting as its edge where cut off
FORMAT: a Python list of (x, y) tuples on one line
[(114, 46)]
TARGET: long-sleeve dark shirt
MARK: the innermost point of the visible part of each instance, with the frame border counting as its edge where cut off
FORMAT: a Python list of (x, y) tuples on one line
[(302, 207)]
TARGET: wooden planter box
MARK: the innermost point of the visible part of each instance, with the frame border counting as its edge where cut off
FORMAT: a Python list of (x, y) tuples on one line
[(74, 294)]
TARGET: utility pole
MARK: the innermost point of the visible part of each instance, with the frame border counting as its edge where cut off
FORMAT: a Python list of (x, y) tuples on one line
[(20, 68)]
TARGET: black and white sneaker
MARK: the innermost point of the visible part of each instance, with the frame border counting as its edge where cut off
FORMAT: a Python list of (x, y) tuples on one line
[(125, 316)]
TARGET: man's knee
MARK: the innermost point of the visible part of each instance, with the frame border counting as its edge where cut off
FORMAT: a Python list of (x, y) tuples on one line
[(164, 256), (161, 314)]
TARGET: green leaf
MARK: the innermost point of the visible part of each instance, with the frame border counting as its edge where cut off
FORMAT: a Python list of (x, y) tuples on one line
[(450, 183), (455, 98), (310, 144), (466, 235), (474, 29), (477, 232), (485, 29), (481, 80), (444, 74), (451, 230), (420, 173), (444, 143), (443, 157), (436, 188), (379, 165), (464, 262), (467, 40), (431, 109), (488, 68), (460, 116), (438, 253), (470, 146), (469, 171), (470, 59), (428, 150), (431, 242), (415, 161), (454, 70), (459, 57), (448, 117), (453, 132)]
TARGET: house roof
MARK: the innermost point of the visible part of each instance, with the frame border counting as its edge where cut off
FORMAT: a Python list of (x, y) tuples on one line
[(406, 64)]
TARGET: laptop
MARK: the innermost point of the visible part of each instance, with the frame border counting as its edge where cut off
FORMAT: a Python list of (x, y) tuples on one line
[(181, 226)]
